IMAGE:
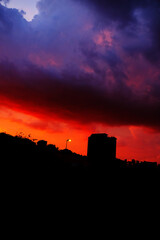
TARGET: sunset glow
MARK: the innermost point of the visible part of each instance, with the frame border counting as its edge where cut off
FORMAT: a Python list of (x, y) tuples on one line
[(80, 68)]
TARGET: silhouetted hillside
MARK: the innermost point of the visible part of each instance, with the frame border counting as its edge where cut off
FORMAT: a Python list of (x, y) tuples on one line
[(24, 151), (19, 153)]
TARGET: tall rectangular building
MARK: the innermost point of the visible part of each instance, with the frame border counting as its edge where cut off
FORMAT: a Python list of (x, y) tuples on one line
[(101, 149)]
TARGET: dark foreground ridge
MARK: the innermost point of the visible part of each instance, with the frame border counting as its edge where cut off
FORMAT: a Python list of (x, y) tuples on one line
[(24, 153)]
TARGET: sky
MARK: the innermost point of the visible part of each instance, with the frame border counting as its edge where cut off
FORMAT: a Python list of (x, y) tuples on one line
[(27, 6), (69, 68)]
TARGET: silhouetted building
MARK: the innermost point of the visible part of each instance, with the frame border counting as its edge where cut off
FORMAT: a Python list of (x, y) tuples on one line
[(101, 150)]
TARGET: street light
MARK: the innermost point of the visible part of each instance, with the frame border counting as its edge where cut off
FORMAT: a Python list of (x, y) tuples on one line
[(68, 140)]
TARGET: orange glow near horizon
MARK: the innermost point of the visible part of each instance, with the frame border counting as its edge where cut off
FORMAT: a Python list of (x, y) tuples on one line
[(132, 142)]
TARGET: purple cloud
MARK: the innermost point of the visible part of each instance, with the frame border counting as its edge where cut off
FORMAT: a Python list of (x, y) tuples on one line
[(84, 62)]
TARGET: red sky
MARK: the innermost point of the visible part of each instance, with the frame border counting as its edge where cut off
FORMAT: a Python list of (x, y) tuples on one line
[(132, 142), (82, 67)]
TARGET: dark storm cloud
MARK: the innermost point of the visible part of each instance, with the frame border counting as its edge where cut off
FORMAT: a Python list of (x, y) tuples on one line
[(74, 101), (124, 14), (63, 64), (120, 10)]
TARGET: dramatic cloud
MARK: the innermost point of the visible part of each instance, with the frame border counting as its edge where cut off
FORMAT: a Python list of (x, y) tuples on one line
[(127, 15), (84, 61)]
